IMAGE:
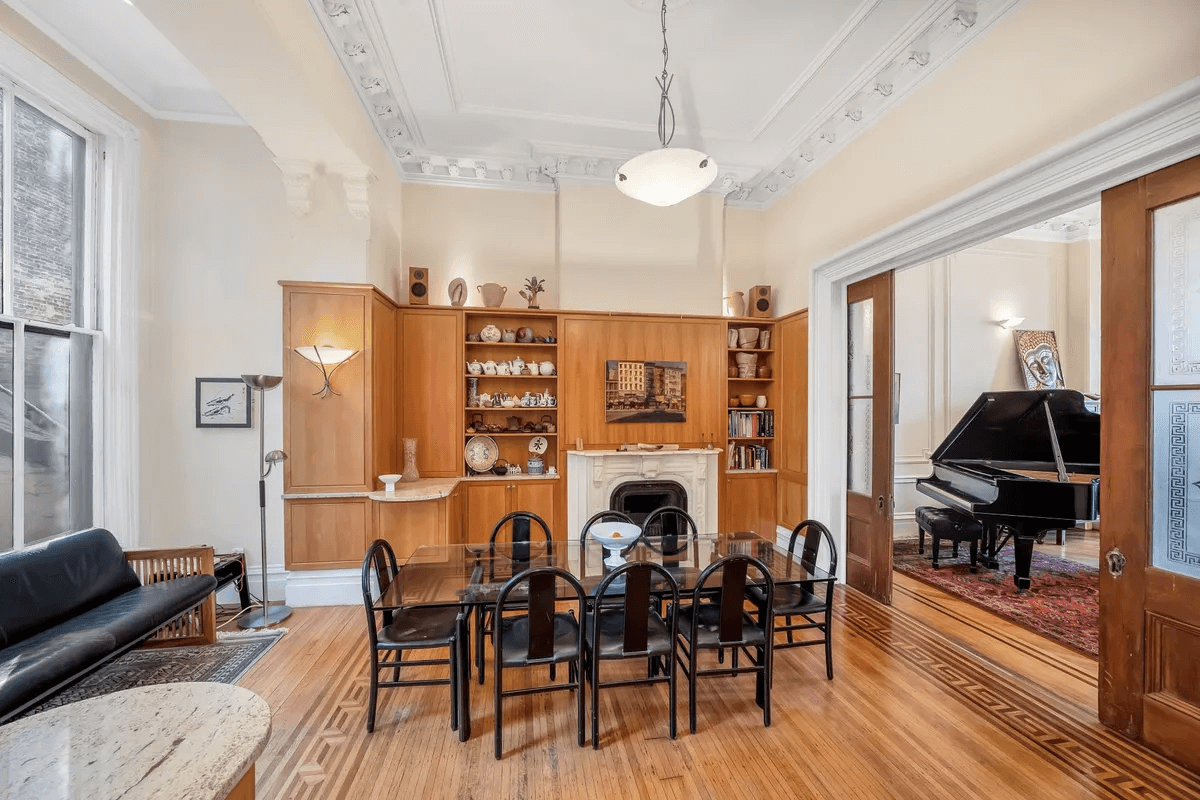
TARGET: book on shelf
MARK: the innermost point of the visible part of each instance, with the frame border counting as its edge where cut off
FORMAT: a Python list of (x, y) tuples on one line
[(751, 424), (748, 456)]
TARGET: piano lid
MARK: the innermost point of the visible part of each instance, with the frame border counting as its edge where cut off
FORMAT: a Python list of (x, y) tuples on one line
[(1011, 426)]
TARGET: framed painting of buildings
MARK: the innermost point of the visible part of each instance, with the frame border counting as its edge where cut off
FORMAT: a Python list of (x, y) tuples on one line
[(645, 391)]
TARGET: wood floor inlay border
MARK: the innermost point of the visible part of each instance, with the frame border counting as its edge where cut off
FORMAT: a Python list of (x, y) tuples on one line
[(1097, 757)]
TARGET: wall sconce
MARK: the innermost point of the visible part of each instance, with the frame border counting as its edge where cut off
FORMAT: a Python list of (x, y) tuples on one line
[(1010, 323), (327, 359)]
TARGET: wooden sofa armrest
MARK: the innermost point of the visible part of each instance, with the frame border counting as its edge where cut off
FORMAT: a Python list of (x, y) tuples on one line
[(197, 626)]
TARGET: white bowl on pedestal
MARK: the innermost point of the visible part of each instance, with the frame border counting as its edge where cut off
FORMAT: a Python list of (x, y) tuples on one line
[(615, 537)]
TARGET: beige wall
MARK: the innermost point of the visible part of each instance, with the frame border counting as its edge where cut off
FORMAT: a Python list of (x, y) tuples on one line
[(595, 248), (1050, 71), (223, 239), (480, 236)]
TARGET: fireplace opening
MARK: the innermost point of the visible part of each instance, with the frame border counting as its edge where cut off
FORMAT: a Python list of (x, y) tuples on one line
[(639, 498)]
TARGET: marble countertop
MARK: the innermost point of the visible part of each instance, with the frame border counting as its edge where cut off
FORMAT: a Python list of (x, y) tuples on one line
[(423, 489), (633, 451), (185, 741)]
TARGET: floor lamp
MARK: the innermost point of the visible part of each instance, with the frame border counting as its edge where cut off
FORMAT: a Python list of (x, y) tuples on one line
[(266, 615)]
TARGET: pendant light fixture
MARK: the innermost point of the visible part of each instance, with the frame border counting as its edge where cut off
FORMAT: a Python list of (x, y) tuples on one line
[(668, 175)]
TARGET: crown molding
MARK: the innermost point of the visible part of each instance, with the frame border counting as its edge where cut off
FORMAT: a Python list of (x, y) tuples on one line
[(928, 44), (933, 37)]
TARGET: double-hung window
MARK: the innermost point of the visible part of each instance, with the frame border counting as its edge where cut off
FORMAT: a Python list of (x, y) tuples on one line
[(48, 327)]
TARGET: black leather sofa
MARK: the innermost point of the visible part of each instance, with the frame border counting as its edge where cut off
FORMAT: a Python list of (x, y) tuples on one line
[(73, 605)]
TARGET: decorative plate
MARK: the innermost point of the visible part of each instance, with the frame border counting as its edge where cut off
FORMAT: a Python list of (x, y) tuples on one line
[(538, 444), (481, 453)]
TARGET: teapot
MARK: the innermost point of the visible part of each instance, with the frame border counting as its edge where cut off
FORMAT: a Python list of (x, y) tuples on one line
[(547, 368), (485, 401), (548, 423), (489, 368), (502, 368), (508, 336), (514, 423), (475, 367), (490, 333), (527, 400), (518, 365), (493, 294)]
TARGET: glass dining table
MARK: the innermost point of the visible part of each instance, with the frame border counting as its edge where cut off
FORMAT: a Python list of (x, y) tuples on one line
[(471, 575)]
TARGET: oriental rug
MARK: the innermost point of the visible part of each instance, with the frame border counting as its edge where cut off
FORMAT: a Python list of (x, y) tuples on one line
[(225, 661), (1063, 604)]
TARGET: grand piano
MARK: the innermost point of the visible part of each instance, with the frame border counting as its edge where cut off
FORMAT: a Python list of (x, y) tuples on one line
[(1022, 463)]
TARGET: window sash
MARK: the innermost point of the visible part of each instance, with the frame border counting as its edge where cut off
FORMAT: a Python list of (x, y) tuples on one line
[(87, 294)]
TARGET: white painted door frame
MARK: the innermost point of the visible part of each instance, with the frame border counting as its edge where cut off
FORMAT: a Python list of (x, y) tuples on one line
[(1154, 135)]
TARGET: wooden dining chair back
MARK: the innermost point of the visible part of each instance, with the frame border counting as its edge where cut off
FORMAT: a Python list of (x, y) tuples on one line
[(669, 521), (725, 623), (541, 635), (393, 632), (805, 600), (632, 627)]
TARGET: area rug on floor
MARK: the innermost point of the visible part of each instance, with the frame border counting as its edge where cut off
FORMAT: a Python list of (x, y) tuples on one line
[(226, 661), (1063, 603)]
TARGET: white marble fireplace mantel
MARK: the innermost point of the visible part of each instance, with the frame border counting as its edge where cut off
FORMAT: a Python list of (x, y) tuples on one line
[(592, 475)]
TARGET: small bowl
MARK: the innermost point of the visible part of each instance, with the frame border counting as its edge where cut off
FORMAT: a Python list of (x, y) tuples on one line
[(746, 400), (734, 402), (764, 372), (732, 371)]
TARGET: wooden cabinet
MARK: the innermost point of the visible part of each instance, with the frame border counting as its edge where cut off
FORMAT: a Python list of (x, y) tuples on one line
[(407, 526), (487, 501), (430, 389), (326, 533), (791, 442), (338, 442), (748, 503)]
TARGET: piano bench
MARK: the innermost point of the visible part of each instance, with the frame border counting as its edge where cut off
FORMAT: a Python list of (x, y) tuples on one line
[(944, 523)]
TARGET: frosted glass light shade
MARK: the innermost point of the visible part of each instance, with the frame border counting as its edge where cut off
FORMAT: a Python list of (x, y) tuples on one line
[(666, 176), (330, 356)]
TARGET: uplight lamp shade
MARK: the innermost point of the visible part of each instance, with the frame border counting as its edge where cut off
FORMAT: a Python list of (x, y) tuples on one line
[(1011, 323), (329, 356), (666, 176)]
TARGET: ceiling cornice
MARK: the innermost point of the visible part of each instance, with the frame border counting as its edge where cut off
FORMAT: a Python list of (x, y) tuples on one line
[(929, 42)]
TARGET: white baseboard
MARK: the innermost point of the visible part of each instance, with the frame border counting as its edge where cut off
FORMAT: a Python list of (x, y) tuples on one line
[(327, 587), (277, 578), (904, 529)]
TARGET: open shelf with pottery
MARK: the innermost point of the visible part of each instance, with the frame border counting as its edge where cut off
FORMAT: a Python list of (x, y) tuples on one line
[(750, 389), (513, 408)]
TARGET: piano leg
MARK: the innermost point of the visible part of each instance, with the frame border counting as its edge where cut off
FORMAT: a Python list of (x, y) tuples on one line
[(991, 535), (1023, 550)]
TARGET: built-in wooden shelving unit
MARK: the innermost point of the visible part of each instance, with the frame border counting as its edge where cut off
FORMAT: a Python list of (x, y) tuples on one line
[(513, 444), (749, 436)]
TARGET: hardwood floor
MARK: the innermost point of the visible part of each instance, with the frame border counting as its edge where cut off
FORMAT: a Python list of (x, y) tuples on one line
[(975, 707), (1080, 545)]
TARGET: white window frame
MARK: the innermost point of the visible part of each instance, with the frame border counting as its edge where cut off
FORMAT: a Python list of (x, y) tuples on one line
[(110, 291)]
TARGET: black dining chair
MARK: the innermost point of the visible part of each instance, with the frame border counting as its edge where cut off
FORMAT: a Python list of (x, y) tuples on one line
[(401, 630), (725, 623), (799, 600), (668, 521), (542, 635), (521, 524), (633, 629)]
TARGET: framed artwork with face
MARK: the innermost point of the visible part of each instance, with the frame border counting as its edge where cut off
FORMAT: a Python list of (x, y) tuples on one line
[(1037, 352)]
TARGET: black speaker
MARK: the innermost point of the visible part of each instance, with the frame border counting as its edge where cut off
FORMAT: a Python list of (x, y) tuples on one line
[(418, 286), (760, 301)]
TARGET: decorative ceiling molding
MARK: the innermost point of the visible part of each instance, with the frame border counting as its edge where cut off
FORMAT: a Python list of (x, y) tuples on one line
[(297, 183), (1074, 226), (356, 181), (926, 44)]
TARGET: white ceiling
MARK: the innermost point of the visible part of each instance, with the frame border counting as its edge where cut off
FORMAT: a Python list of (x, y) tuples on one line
[(119, 43), (526, 91)]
